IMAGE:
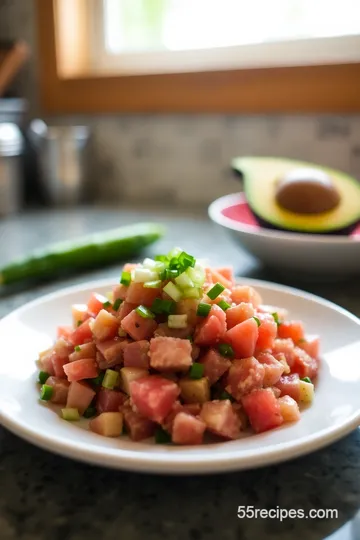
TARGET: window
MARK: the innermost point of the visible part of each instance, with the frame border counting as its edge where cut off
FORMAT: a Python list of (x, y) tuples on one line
[(199, 55)]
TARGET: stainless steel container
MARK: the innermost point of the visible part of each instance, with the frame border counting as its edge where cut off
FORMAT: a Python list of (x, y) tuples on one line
[(62, 161), (11, 144)]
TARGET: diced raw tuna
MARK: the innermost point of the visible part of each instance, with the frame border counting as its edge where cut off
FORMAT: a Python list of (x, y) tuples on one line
[(214, 276), (138, 426), (285, 346), (79, 313), (189, 408), (45, 362), (282, 313), (138, 327), (212, 329), (107, 424), (83, 333), (137, 354), (187, 429), (241, 414), (276, 391), (263, 410), (139, 295), (188, 306), (64, 332), (60, 389), (109, 400), (280, 357), (243, 338), (221, 419), (227, 272), (96, 303), (195, 352), (311, 346), (289, 385), (163, 330), (112, 351), (86, 368), (293, 330), (80, 396), (244, 293), (304, 365), (238, 314), (125, 309), (273, 369), (170, 354), (267, 332), (63, 348), (58, 364), (87, 350), (215, 365), (154, 396), (289, 409), (244, 376), (195, 390), (119, 292), (106, 326)]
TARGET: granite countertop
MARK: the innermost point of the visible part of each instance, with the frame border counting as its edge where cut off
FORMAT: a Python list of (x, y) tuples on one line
[(43, 496)]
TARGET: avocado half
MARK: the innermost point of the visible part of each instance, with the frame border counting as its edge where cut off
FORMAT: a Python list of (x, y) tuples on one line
[(261, 176)]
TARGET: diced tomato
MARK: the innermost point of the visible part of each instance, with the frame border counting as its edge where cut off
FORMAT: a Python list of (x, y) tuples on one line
[(86, 368), (286, 347), (238, 314), (310, 346), (125, 309), (139, 295), (58, 364), (267, 333), (227, 272), (154, 396), (64, 332), (244, 293), (138, 327), (87, 350), (304, 365), (163, 330), (80, 396), (293, 330), (289, 385), (244, 376), (170, 354), (289, 409), (187, 429), (215, 365), (105, 326), (214, 276), (263, 410), (243, 337), (112, 351), (220, 418), (109, 400), (189, 408), (272, 368), (119, 292), (137, 354), (60, 389), (79, 313), (138, 426), (107, 424), (188, 306), (210, 331), (83, 333), (96, 303)]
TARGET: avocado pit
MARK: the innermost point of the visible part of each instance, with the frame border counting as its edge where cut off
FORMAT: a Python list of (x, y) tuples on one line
[(307, 191)]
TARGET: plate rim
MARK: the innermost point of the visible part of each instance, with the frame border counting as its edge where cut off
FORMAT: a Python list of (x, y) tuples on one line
[(148, 463)]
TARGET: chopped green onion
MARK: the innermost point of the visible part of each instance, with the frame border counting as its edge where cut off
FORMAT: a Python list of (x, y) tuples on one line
[(197, 275), (186, 260), (162, 436), (97, 381), (117, 304), (190, 338), (144, 312), (111, 378), (79, 323), (90, 412), (196, 371), (173, 291), (276, 318), (257, 320), (192, 292), (157, 306), (121, 332), (142, 275), (163, 306), (302, 340), (162, 258), (177, 321), (43, 377), (162, 275), (224, 305), (184, 281), (110, 296), (174, 264), (106, 304), (203, 310), (174, 253), (125, 278), (226, 350), (77, 348), (149, 263), (46, 392), (156, 284), (306, 379), (70, 414), (171, 273), (215, 291), (225, 395)]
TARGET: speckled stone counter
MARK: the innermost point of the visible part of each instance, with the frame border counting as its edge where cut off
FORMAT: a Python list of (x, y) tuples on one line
[(43, 496)]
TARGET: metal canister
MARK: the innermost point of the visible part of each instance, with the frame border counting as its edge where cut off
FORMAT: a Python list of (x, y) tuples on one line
[(11, 188)]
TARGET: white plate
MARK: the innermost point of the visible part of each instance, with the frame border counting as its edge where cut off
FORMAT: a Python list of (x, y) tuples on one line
[(335, 412), (325, 256)]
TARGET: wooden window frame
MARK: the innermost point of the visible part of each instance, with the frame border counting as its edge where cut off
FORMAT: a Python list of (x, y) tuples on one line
[(67, 88)]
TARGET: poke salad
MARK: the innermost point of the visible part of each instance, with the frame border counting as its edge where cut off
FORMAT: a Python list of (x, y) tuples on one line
[(176, 351)]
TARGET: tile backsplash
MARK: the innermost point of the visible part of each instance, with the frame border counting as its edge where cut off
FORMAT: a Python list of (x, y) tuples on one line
[(184, 159)]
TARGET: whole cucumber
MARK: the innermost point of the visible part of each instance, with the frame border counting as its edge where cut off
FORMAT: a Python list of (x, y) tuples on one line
[(85, 252)]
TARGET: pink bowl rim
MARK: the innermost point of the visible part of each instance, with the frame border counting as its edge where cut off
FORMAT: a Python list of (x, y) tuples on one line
[(215, 213)]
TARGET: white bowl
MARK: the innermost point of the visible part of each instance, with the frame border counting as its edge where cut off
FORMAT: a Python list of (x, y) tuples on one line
[(310, 254)]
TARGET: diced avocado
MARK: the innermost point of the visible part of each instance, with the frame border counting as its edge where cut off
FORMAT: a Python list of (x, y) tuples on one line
[(195, 390)]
